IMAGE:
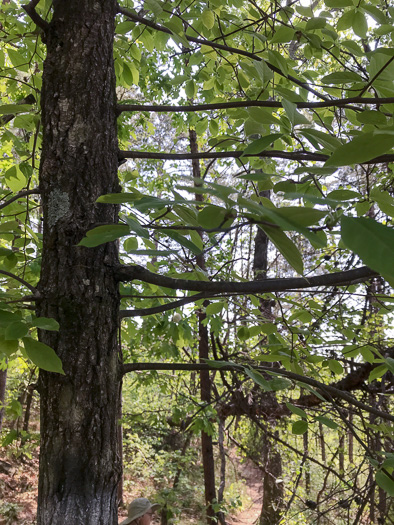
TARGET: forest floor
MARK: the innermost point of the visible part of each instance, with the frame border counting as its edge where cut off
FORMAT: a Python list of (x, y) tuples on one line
[(18, 491)]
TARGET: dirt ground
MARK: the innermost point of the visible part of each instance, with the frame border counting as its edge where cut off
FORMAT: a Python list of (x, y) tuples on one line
[(18, 492)]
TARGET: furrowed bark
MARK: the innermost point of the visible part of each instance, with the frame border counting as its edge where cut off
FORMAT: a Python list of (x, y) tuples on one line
[(79, 460)]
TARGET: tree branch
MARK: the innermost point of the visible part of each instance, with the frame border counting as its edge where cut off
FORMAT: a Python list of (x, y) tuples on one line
[(165, 307), (22, 281), (252, 103), (31, 11), (136, 18), (324, 389), (277, 154), (20, 195), (345, 278)]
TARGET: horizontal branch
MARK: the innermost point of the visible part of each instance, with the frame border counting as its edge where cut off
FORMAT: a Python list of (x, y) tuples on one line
[(142, 312), (22, 281), (321, 387), (275, 154), (214, 45), (251, 104), (20, 195), (138, 273)]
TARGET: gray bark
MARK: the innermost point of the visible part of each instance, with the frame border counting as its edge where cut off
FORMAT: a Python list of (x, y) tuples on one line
[(79, 459)]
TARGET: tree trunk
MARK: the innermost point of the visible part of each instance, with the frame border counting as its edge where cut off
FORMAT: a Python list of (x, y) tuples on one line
[(3, 384), (79, 458), (272, 491), (203, 353)]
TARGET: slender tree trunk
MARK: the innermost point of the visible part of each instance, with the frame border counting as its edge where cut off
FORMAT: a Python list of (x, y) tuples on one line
[(272, 491), (205, 381), (3, 385), (306, 466), (79, 459), (322, 443)]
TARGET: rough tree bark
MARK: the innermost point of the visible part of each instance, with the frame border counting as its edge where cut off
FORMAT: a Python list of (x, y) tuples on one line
[(272, 490), (79, 460)]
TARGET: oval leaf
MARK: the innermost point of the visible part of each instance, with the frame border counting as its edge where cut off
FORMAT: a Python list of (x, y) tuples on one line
[(43, 356)]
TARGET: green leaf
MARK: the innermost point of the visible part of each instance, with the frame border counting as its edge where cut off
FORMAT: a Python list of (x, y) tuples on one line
[(8, 347), (42, 356), (294, 116), (338, 3), (243, 333), (46, 323), (124, 27), (372, 241), (360, 25), (208, 18), (299, 427), (280, 383), (16, 330), (136, 227), (214, 308), (328, 422), (282, 35), (260, 145), (369, 116), (286, 247), (296, 410), (103, 234), (190, 89), (317, 22), (390, 363), (17, 59), (301, 216), (212, 217), (183, 241), (362, 149), (325, 139), (343, 195), (385, 483), (341, 77), (377, 372), (7, 317), (119, 198), (258, 379), (335, 366), (13, 109)]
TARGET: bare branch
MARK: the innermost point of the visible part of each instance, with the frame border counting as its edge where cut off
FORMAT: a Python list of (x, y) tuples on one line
[(135, 272), (31, 11), (20, 195), (325, 390), (277, 154), (22, 281), (343, 102), (165, 307)]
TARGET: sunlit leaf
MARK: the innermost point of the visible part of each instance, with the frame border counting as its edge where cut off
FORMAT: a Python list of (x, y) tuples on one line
[(372, 241), (42, 356)]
